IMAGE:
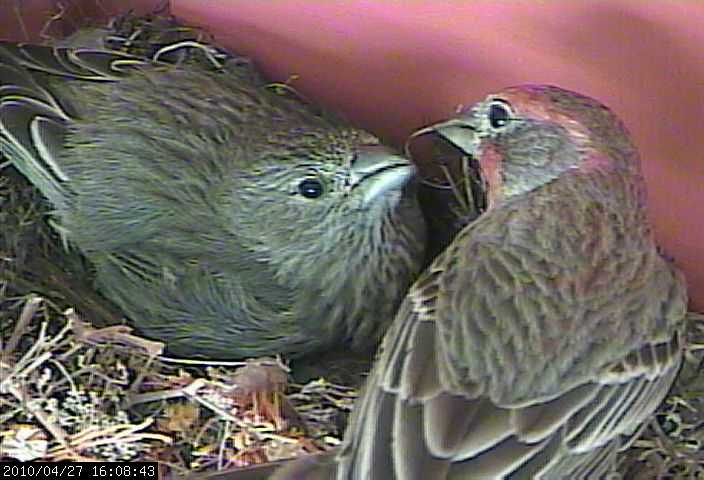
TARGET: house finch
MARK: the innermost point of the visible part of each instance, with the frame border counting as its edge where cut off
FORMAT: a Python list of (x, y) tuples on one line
[(547, 332), (223, 216)]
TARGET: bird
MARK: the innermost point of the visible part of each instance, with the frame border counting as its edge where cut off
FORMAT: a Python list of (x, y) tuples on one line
[(224, 215), (540, 340)]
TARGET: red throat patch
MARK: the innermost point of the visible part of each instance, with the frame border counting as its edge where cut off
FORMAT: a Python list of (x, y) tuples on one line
[(490, 164)]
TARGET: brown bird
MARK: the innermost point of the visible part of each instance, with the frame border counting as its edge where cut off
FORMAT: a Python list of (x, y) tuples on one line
[(222, 216), (548, 331)]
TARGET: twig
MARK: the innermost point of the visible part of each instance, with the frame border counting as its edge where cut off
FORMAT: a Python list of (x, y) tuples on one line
[(59, 433), (21, 327)]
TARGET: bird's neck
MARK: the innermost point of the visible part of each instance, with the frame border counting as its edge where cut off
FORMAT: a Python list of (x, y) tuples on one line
[(605, 202), (357, 303)]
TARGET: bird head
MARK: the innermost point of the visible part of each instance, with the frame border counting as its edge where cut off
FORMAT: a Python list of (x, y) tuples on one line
[(525, 137), (325, 195)]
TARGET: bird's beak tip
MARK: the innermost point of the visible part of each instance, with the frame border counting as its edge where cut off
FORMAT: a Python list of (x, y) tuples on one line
[(456, 131)]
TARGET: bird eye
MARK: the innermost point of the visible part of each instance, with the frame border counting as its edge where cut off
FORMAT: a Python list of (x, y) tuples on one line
[(310, 188), (499, 115)]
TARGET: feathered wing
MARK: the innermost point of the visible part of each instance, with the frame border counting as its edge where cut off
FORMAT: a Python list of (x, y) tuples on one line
[(33, 120), (427, 413)]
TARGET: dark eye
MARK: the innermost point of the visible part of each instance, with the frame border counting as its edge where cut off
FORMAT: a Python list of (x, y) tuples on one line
[(310, 188), (499, 115)]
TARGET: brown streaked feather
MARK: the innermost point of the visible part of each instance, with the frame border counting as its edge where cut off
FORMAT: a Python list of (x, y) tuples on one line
[(443, 430)]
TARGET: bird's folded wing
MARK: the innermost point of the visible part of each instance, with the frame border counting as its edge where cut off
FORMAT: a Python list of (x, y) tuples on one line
[(412, 423), (82, 63), (33, 120)]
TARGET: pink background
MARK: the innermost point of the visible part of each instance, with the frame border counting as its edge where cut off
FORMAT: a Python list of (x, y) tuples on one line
[(394, 66)]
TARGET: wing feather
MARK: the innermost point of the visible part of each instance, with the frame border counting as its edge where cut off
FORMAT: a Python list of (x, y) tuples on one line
[(446, 423)]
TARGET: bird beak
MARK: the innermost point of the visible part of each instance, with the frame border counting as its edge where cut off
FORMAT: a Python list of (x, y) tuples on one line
[(461, 133), (458, 132), (377, 170)]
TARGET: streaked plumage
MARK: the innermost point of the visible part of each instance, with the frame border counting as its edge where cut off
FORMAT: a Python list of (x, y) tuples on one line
[(549, 330), (222, 216)]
